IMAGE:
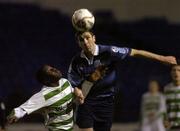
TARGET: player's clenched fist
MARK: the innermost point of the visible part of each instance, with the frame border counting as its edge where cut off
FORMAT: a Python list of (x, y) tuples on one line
[(79, 95), (98, 73), (171, 60), (12, 118)]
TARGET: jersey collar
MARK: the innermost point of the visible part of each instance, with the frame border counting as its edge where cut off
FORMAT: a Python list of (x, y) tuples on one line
[(96, 52)]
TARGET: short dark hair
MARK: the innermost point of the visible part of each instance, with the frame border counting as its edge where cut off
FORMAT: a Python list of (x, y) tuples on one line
[(79, 33), (47, 78)]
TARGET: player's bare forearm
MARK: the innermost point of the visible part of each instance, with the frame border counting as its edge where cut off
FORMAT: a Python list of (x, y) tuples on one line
[(149, 55), (79, 95)]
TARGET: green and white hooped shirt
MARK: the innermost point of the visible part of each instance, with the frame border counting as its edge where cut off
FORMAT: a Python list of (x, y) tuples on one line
[(153, 103), (56, 105), (172, 94)]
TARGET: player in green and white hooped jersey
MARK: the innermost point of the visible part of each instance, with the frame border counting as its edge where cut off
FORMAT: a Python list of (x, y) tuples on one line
[(153, 109), (172, 93), (54, 101)]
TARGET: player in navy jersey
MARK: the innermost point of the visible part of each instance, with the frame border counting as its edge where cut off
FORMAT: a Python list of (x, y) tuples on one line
[(94, 69)]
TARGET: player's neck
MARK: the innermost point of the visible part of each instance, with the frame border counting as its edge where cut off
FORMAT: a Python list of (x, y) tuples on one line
[(90, 54)]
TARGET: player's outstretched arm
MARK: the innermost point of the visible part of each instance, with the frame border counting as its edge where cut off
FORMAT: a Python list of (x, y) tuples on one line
[(35, 103), (149, 55)]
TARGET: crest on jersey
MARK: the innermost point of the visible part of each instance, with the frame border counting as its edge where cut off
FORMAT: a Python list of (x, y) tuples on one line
[(117, 49)]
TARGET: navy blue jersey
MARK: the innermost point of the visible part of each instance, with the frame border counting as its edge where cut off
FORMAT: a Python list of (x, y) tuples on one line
[(81, 68)]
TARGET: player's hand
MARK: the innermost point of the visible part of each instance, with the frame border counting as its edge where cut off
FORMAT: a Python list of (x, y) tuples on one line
[(79, 95), (170, 60), (11, 118), (167, 124), (98, 73)]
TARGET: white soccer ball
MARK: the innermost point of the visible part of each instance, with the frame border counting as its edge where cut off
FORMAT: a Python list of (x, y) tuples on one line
[(83, 20)]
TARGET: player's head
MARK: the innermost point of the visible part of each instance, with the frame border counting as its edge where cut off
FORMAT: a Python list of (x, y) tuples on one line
[(153, 86), (175, 73), (48, 75), (86, 41)]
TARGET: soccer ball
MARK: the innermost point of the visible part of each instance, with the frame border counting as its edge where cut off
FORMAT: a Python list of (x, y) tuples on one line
[(83, 20)]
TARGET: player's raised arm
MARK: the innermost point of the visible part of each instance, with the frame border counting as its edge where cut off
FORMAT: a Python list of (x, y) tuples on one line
[(33, 104), (163, 59)]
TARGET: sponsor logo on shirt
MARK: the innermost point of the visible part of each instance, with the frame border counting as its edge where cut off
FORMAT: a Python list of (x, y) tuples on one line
[(120, 50)]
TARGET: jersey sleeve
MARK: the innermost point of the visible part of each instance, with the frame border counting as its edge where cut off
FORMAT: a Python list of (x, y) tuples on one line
[(35, 103), (18, 112), (73, 76), (119, 52)]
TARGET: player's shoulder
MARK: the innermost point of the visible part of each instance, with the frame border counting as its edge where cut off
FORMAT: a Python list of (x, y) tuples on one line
[(76, 58), (64, 81), (43, 90), (107, 48), (113, 49)]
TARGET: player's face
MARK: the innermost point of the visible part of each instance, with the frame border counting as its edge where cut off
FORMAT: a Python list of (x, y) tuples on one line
[(53, 73), (87, 42), (175, 73), (52, 70), (153, 86)]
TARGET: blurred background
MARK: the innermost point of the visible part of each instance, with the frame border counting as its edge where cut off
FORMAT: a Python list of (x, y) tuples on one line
[(37, 32)]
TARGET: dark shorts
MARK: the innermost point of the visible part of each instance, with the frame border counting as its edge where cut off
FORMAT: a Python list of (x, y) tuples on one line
[(96, 114)]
